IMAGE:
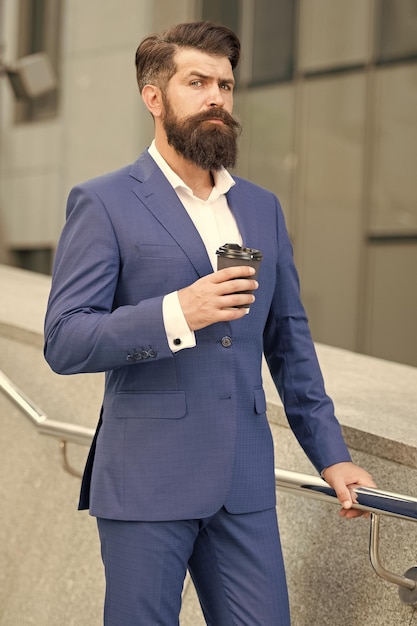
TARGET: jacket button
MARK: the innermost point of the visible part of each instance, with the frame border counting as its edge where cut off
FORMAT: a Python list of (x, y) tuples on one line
[(226, 342), (130, 357)]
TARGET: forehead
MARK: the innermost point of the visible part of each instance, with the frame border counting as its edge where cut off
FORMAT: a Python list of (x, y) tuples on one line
[(190, 60)]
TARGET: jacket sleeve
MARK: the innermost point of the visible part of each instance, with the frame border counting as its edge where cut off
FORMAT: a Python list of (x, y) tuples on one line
[(293, 363), (84, 331)]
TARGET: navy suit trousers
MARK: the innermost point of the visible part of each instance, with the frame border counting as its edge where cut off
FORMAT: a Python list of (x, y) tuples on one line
[(235, 562)]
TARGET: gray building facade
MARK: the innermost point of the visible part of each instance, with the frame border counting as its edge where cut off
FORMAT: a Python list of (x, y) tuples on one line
[(327, 91)]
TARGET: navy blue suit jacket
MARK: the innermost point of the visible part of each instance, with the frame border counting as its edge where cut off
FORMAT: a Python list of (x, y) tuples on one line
[(181, 434)]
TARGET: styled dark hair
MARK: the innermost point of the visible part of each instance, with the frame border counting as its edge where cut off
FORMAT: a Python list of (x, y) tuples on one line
[(155, 54)]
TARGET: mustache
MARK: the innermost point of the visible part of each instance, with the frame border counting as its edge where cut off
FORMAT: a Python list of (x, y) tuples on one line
[(217, 114)]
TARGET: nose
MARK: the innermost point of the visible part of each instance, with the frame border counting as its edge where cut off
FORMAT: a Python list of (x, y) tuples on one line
[(216, 98)]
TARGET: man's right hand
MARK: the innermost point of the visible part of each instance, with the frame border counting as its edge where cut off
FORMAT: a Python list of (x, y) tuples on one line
[(211, 299)]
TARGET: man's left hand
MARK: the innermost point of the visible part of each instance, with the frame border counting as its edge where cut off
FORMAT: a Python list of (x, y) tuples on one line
[(340, 477)]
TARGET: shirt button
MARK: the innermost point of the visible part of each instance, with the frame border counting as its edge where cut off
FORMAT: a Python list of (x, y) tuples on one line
[(226, 342), (177, 341)]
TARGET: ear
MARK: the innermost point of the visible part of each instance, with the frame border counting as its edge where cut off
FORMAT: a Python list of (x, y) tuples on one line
[(152, 98)]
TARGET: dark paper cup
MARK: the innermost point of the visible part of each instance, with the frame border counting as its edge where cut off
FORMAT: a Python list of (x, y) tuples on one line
[(232, 254)]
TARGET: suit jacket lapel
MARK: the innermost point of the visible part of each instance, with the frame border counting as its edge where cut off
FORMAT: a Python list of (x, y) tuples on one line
[(155, 192), (243, 207)]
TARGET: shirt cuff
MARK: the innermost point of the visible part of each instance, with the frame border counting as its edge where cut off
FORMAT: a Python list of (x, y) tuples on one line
[(178, 333)]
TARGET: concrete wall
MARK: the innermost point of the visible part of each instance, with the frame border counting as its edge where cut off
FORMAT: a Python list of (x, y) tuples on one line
[(100, 125), (50, 568)]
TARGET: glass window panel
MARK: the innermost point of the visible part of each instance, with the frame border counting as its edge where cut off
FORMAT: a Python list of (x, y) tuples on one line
[(273, 41), (329, 204), (268, 37), (267, 146), (397, 37), (392, 302), (333, 33), (39, 31), (33, 259), (226, 13), (394, 190)]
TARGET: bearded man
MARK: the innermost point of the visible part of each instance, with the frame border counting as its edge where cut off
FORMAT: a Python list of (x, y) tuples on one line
[(181, 471)]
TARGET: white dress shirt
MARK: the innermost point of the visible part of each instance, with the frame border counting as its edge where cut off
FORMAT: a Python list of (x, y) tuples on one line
[(216, 226)]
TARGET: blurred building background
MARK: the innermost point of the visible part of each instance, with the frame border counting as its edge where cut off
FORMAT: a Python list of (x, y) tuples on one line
[(327, 91)]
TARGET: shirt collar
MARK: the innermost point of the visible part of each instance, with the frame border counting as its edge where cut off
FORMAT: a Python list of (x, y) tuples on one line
[(222, 179)]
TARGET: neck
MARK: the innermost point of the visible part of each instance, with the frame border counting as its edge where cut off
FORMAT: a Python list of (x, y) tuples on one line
[(198, 180)]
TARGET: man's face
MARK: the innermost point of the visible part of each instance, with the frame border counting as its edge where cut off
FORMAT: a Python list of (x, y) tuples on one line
[(198, 102)]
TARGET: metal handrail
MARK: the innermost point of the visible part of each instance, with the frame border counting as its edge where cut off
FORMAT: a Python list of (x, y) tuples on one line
[(70, 433), (368, 499), (374, 501)]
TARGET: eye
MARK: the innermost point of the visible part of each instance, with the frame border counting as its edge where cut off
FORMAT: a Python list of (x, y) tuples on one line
[(226, 86), (196, 83)]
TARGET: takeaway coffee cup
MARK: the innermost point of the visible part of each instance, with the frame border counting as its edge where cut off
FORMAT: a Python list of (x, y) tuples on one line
[(232, 254)]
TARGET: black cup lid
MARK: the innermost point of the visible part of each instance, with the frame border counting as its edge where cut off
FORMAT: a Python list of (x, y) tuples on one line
[(235, 251)]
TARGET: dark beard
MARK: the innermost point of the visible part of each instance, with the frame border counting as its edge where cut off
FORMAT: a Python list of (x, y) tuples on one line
[(207, 145)]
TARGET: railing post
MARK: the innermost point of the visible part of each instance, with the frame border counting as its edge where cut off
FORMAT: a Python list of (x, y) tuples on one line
[(407, 587)]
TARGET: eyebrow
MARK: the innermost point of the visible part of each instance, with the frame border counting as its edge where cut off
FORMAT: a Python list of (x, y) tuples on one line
[(197, 74)]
